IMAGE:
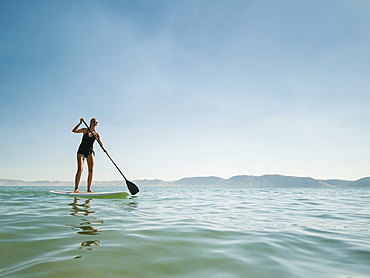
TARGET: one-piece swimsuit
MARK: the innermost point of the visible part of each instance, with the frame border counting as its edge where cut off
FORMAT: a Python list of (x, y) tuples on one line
[(86, 146)]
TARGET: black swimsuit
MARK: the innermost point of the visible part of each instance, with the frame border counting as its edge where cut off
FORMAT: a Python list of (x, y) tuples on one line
[(86, 146)]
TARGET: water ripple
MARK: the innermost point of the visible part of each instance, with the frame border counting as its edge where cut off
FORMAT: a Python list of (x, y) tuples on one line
[(180, 232)]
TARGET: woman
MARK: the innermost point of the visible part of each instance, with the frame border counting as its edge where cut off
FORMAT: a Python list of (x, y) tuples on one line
[(86, 151)]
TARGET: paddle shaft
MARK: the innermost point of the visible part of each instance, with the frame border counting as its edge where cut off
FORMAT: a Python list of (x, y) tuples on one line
[(132, 187)]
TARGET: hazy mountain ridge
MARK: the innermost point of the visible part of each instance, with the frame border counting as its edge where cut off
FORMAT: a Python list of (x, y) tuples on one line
[(364, 182), (242, 181)]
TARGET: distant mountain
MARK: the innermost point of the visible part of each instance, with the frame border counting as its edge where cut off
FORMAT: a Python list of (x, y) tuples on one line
[(338, 182), (257, 181), (364, 182), (242, 181), (199, 181), (274, 181), (252, 181)]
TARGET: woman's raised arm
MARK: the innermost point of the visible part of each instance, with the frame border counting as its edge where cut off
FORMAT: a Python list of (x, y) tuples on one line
[(76, 129)]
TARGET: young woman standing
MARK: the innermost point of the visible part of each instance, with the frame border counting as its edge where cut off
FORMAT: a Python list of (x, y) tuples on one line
[(86, 151)]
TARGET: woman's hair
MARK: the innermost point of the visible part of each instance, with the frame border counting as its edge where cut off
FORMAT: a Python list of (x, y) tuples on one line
[(93, 119)]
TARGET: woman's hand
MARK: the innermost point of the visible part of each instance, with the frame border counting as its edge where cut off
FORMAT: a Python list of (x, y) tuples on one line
[(76, 128)]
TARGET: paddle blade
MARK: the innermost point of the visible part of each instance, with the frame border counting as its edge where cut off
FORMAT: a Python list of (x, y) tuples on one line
[(132, 187)]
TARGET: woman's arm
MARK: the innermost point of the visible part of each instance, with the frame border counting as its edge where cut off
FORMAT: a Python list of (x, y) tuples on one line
[(76, 129), (100, 141)]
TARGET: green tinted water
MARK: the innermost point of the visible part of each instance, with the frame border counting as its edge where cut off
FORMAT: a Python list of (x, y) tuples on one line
[(192, 232)]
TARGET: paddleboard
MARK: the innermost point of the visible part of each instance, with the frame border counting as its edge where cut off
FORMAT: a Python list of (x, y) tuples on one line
[(89, 194)]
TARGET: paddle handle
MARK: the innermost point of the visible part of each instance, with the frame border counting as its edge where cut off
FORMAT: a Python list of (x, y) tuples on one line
[(115, 165)]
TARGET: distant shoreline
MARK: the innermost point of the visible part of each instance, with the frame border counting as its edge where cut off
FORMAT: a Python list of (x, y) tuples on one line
[(235, 181)]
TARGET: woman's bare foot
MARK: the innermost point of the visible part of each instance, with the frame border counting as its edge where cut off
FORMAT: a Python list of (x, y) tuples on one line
[(77, 191), (90, 191)]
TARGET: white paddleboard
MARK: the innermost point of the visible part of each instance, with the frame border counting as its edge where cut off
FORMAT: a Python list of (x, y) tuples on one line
[(88, 194)]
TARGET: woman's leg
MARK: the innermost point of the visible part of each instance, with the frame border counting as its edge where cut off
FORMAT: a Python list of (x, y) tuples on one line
[(90, 164), (80, 164)]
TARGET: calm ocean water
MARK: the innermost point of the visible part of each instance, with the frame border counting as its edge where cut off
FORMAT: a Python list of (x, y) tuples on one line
[(186, 232)]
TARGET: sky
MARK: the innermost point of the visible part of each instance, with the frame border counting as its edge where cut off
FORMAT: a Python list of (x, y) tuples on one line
[(186, 88)]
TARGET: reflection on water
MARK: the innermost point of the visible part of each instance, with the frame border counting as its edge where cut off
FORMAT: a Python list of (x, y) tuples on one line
[(88, 224), (90, 244), (79, 209), (87, 229), (128, 206)]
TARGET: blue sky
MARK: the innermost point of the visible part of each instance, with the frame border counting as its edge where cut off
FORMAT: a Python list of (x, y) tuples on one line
[(186, 88)]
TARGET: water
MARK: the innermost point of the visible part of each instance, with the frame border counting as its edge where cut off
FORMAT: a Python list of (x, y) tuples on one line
[(186, 232)]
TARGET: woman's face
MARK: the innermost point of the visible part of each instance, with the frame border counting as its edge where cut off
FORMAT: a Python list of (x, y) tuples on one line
[(94, 122)]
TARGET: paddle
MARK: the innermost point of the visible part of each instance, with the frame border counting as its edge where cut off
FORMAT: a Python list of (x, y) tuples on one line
[(130, 185)]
